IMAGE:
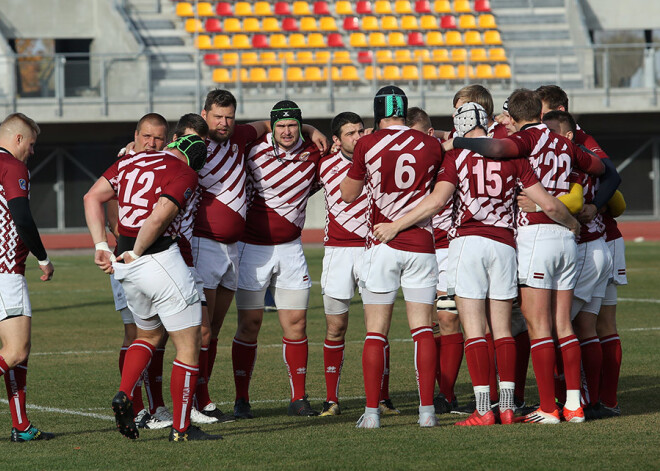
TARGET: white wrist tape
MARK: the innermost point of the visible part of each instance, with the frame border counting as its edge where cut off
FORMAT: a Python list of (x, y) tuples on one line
[(43, 263), (538, 209), (133, 255), (102, 246)]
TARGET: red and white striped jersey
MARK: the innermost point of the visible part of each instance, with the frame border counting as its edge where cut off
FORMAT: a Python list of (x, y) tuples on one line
[(279, 184), (399, 166), (497, 131), (486, 190), (553, 158), (595, 229), (441, 223), (223, 205), (187, 225), (345, 223), (140, 180), (14, 183)]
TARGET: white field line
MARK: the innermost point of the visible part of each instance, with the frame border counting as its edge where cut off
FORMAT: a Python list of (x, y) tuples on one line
[(65, 411), (640, 300)]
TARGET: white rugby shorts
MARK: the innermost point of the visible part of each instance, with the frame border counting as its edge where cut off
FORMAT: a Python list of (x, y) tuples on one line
[(618, 251), (480, 268), (199, 283), (594, 269), (546, 257), (282, 265), (160, 284), (441, 258), (118, 294), (385, 269), (14, 299), (216, 263), (341, 271)]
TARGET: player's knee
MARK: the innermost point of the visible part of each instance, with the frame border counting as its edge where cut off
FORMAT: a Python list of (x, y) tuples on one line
[(335, 332)]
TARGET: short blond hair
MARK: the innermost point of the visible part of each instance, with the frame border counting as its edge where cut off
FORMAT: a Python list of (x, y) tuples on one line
[(15, 117)]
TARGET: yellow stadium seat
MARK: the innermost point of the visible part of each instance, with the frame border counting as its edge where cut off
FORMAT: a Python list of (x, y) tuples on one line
[(389, 23), (271, 25), (458, 55), (275, 75), (497, 54), (268, 58), (278, 41), (484, 71), (462, 6), (223, 76), (328, 23), (402, 6), (295, 74), (384, 56), (377, 40), (316, 40), (409, 22), (391, 72), (434, 38), (429, 72), (203, 41), (344, 7), (371, 72), (194, 25), (305, 58), (184, 9), (465, 71), (440, 55), (453, 38), (396, 40), (315, 74), (349, 73), (478, 54), (205, 9), (502, 71), (370, 23), (301, 8), (402, 55), (263, 9), (245, 77), (258, 75), (467, 22), (288, 57), (442, 6), (341, 57), (251, 25), (382, 7), (322, 57), (358, 40), (308, 23), (492, 38), (429, 22), (473, 38), (232, 25), (221, 41), (487, 22), (447, 72), (297, 40), (249, 58), (243, 9), (410, 72), (422, 54), (241, 41)]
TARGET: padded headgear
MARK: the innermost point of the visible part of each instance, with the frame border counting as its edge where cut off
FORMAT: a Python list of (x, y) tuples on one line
[(285, 109), (468, 117), (505, 106), (193, 147), (390, 101)]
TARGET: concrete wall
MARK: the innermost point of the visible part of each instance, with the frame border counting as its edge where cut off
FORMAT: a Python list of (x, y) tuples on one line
[(622, 14)]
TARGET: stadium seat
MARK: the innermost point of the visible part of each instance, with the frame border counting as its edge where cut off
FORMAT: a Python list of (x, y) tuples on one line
[(384, 56), (422, 6), (315, 40), (193, 25), (243, 9), (275, 75), (297, 40), (251, 25), (315, 74), (321, 9), (487, 22), (371, 72), (467, 22), (363, 8), (482, 6), (349, 73), (448, 22), (301, 8), (263, 9), (223, 76), (322, 57), (453, 38), (282, 8), (295, 74), (492, 38), (241, 41), (358, 40), (416, 39), (212, 59), (410, 72), (288, 57), (391, 72), (278, 41), (328, 23), (458, 55), (213, 25), (259, 41), (184, 9), (365, 57), (402, 7), (422, 54), (232, 25), (434, 38), (447, 72), (502, 71), (484, 71), (308, 23), (473, 38), (249, 58), (205, 9), (290, 24), (382, 7), (377, 40), (442, 6), (258, 75), (440, 55), (335, 40), (223, 9), (344, 7), (203, 42), (304, 58), (389, 23), (268, 58), (409, 22), (270, 25), (429, 22), (465, 71), (478, 54), (396, 40), (341, 57), (497, 54), (221, 41), (429, 72), (351, 23), (370, 23), (245, 78), (402, 56), (462, 6)]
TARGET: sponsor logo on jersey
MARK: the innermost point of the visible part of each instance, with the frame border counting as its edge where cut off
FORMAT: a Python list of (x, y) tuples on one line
[(303, 156), (22, 184), (234, 148)]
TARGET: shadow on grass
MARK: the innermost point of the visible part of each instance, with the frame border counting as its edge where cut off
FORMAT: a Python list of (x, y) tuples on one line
[(73, 306)]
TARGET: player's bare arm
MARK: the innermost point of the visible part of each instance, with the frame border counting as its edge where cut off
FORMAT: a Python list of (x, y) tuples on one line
[(429, 206), (100, 193), (552, 207), (350, 189), (317, 137)]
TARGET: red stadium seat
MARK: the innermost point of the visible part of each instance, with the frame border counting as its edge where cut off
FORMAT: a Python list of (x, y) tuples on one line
[(212, 59), (213, 25), (351, 23), (259, 41), (290, 24), (482, 6), (415, 39), (448, 22), (423, 6), (363, 8), (224, 9), (335, 40), (321, 8), (282, 8), (365, 57)]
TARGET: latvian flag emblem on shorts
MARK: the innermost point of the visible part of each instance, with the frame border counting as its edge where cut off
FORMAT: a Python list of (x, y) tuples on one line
[(622, 271), (538, 276)]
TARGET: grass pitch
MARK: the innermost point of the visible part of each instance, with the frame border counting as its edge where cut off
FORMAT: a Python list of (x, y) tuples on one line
[(74, 374)]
